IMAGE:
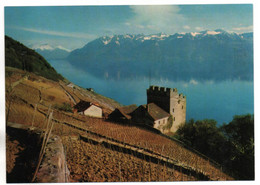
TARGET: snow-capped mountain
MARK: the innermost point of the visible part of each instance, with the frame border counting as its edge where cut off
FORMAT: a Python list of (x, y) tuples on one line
[(138, 38), (42, 47), (51, 53), (161, 36), (216, 55)]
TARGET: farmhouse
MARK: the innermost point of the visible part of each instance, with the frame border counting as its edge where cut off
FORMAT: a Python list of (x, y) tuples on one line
[(122, 114), (71, 85), (88, 109), (151, 115)]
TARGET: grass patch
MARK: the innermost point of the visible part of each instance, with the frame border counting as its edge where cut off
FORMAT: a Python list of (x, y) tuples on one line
[(63, 107)]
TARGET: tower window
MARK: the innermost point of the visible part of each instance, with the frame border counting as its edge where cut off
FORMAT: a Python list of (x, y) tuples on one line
[(181, 107), (179, 101), (172, 110), (173, 118)]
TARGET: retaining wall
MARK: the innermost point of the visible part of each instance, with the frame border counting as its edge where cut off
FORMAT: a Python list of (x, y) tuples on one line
[(53, 167)]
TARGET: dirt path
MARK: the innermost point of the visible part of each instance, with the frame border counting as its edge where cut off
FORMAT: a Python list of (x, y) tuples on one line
[(14, 84), (69, 95)]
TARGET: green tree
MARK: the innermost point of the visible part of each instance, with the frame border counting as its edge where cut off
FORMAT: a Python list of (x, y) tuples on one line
[(240, 135), (204, 136), (231, 145), (19, 56)]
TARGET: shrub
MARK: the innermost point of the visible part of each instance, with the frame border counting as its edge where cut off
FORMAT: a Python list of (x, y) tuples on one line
[(169, 123), (63, 107)]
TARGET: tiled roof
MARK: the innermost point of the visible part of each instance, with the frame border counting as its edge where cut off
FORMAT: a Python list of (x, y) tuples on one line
[(82, 105), (155, 112), (126, 110)]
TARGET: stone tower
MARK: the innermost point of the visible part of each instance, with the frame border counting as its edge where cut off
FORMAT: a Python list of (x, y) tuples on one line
[(170, 101)]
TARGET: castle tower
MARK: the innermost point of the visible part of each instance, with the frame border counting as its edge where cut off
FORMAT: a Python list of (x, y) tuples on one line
[(170, 101)]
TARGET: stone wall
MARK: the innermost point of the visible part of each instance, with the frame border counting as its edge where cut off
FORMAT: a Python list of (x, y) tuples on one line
[(53, 167), (177, 110)]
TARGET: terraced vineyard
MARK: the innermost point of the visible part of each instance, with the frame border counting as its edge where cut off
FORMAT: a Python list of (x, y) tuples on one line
[(110, 165), (98, 150)]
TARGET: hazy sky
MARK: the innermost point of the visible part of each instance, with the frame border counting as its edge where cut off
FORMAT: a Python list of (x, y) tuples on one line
[(73, 26)]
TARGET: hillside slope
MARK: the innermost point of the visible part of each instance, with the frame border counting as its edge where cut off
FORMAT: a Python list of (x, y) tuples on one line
[(19, 56), (98, 150)]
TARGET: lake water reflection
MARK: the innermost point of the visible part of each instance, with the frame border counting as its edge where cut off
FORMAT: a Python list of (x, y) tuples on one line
[(205, 100)]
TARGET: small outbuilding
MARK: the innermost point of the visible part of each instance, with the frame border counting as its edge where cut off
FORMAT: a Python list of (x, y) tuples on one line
[(122, 114), (88, 109), (151, 115)]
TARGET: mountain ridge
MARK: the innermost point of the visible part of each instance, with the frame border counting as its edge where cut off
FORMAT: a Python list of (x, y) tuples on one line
[(51, 53), (205, 55)]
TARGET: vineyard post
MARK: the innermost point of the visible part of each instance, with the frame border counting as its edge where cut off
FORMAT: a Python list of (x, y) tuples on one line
[(46, 117), (43, 151), (46, 132)]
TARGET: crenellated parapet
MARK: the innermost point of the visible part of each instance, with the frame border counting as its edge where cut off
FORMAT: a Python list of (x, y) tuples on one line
[(182, 97), (164, 92)]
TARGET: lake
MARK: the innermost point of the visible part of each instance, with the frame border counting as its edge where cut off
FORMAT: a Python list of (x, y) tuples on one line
[(205, 100)]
